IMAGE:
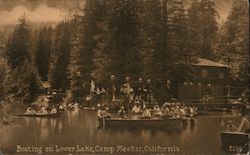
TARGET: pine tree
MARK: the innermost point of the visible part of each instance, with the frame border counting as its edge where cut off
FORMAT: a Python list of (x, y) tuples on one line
[(58, 73), (234, 41), (123, 25), (43, 51), (203, 25), (3, 72), (22, 81), (19, 45), (101, 59), (76, 65), (178, 43), (151, 23), (88, 57)]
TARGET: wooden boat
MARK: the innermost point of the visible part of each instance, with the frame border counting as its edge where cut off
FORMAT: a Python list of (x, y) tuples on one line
[(190, 115), (219, 109), (49, 115), (235, 142), (153, 123), (88, 108)]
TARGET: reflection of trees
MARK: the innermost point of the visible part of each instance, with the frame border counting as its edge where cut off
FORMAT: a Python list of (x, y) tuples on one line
[(44, 133), (45, 127), (188, 132)]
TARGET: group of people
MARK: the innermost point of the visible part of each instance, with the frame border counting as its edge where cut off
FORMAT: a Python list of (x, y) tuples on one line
[(167, 110), (132, 89), (43, 110)]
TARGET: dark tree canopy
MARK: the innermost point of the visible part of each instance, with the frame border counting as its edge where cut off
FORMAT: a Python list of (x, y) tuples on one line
[(23, 81), (60, 58), (19, 44), (43, 51), (156, 39)]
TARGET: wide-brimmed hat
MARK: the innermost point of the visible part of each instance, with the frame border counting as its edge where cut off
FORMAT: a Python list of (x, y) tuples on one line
[(106, 108)]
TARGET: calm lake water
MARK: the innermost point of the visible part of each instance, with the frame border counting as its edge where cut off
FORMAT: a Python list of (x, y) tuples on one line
[(79, 130)]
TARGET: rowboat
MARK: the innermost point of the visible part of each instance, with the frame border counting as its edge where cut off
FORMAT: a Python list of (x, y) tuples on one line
[(88, 108), (118, 122), (219, 109), (49, 115), (235, 142)]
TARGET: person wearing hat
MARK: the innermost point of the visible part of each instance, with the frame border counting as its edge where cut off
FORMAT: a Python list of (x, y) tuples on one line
[(102, 112), (138, 89), (126, 88), (112, 87), (122, 112), (88, 100), (30, 111), (148, 90), (167, 91)]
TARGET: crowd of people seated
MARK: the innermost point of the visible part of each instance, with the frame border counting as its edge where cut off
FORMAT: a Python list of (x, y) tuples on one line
[(43, 110), (167, 110)]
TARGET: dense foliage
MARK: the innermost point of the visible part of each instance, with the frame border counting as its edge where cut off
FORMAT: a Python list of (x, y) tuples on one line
[(157, 39), (234, 41)]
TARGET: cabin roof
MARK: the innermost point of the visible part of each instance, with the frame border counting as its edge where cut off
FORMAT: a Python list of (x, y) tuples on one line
[(208, 63)]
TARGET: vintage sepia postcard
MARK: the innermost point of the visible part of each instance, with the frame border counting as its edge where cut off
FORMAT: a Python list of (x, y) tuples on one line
[(124, 77)]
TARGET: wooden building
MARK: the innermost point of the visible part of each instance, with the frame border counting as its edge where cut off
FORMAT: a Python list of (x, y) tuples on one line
[(210, 83)]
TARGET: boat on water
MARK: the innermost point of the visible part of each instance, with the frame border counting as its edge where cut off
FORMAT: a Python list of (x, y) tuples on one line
[(235, 142), (48, 115), (165, 123), (88, 108)]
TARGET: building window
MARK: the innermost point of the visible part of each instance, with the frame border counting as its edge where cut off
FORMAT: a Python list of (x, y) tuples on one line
[(221, 75), (204, 73)]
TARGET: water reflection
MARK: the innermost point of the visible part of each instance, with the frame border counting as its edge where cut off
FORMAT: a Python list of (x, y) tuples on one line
[(81, 128), (44, 127)]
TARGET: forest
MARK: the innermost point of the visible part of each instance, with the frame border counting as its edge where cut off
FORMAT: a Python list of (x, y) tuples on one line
[(156, 39)]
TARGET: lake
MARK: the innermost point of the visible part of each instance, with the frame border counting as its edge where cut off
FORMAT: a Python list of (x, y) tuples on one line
[(77, 132)]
